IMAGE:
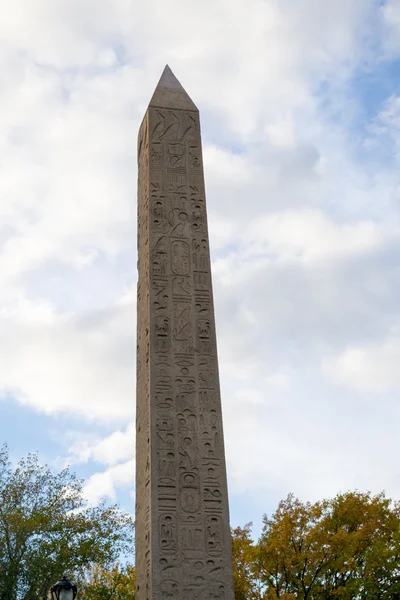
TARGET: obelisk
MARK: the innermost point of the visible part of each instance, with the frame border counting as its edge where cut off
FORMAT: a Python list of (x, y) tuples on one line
[(183, 543)]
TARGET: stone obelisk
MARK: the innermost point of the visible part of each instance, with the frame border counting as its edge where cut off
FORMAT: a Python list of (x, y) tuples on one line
[(183, 543)]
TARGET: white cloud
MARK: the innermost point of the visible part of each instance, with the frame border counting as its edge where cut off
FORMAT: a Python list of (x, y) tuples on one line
[(391, 16), (369, 368), (117, 447), (106, 483), (387, 128), (81, 364), (312, 236)]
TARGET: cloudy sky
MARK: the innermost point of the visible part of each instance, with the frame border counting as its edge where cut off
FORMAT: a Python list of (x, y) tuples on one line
[(300, 110)]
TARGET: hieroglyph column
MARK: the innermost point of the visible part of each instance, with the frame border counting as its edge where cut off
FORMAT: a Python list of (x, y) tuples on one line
[(183, 543)]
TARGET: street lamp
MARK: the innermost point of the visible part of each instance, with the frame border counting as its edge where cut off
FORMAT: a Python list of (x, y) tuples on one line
[(64, 590)]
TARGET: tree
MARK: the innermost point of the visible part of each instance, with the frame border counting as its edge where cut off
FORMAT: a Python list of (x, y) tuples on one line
[(244, 555), (115, 583), (46, 529), (347, 547)]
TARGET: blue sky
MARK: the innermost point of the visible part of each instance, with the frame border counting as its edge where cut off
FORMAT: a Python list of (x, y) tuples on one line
[(300, 112)]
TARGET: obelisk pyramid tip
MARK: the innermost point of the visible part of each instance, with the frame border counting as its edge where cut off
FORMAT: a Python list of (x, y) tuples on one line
[(169, 80), (169, 93)]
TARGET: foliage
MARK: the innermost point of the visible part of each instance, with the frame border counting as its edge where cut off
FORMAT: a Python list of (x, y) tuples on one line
[(114, 583), (347, 547), (46, 529), (243, 555)]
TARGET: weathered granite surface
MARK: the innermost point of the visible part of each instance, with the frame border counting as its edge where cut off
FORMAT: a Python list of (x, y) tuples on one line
[(183, 544)]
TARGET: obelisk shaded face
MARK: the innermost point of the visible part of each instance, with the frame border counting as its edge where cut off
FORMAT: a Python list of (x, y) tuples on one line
[(183, 544)]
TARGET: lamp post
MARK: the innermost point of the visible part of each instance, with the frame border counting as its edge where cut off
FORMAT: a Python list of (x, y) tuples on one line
[(64, 590)]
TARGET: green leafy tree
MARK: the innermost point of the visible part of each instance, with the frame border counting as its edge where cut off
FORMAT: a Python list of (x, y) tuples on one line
[(47, 530)]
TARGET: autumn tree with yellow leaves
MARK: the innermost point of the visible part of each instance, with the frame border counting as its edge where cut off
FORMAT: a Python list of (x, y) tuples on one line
[(117, 582), (347, 547)]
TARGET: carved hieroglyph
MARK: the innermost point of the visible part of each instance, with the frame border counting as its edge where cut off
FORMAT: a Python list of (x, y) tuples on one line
[(183, 544)]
